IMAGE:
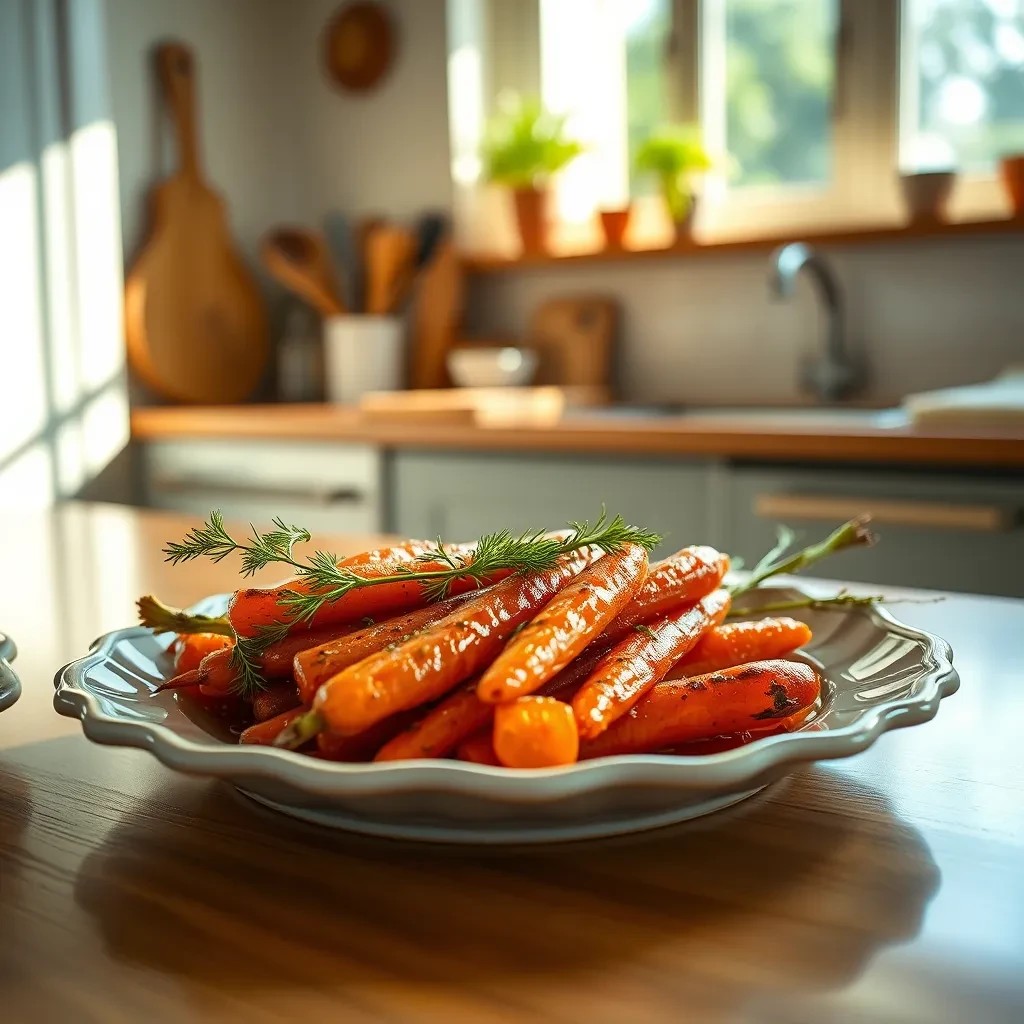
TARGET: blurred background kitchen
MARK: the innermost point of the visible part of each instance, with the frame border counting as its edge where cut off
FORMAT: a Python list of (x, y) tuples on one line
[(441, 266)]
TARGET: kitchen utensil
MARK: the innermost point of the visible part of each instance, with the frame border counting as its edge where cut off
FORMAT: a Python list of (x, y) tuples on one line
[(436, 315), (390, 256), (345, 256), (300, 357), (364, 227), (359, 45), (880, 675), (195, 322), (573, 337), (491, 366), (299, 259), (363, 353)]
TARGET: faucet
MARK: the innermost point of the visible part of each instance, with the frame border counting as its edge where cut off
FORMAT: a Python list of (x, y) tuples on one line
[(834, 374)]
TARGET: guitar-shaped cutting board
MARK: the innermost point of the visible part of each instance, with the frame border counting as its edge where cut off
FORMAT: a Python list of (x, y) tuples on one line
[(195, 322)]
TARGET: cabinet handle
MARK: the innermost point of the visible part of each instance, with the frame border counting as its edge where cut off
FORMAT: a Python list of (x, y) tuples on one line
[(931, 514), (327, 496)]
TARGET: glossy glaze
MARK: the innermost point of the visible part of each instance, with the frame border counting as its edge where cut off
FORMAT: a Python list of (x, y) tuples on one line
[(885, 887)]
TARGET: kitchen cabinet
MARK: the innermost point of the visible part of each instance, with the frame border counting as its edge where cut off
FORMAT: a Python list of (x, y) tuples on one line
[(460, 495), (321, 486), (947, 532)]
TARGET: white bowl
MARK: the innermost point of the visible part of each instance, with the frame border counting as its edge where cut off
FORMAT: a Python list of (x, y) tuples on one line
[(492, 367), (10, 687), (880, 675)]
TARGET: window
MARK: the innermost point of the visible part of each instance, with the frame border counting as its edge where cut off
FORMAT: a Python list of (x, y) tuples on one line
[(813, 107)]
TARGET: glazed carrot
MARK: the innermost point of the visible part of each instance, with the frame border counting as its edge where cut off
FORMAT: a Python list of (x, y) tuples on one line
[(732, 701), (479, 748), (438, 732), (191, 648), (274, 700), (736, 643), (535, 732), (640, 660), (680, 579), (364, 745), (313, 666), (441, 656), (218, 674), (567, 624), (255, 607), (264, 733)]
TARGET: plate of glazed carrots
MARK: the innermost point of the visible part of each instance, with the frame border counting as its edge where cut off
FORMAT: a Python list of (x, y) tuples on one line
[(520, 687)]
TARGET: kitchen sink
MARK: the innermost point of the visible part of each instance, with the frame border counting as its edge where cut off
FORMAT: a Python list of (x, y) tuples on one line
[(769, 416)]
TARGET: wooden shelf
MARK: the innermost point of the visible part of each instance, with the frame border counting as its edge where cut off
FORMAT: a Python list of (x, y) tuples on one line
[(483, 264)]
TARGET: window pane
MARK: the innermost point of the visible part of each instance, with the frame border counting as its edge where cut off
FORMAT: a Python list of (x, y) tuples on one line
[(773, 89), (963, 83), (647, 24)]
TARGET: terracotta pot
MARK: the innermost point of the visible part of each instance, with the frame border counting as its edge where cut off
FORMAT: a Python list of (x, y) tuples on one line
[(614, 224), (926, 195), (532, 218), (1011, 168), (684, 227)]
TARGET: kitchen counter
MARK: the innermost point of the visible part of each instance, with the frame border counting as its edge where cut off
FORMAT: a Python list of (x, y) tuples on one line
[(801, 437), (883, 887)]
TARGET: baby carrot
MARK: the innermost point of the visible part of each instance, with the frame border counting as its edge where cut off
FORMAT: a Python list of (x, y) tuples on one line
[(191, 648), (217, 671), (274, 700), (444, 654), (680, 579), (478, 748), (535, 732), (264, 733), (639, 661), (314, 665), (735, 643), (566, 625), (365, 744), (738, 699)]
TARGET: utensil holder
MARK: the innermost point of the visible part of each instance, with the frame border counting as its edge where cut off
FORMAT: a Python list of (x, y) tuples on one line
[(362, 353)]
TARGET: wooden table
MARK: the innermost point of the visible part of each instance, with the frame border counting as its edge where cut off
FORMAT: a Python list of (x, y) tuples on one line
[(885, 887)]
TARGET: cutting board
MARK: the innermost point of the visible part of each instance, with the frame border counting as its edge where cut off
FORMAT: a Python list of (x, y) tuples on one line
[(522, 407), (195, 322), (574, 337), (436, 316)]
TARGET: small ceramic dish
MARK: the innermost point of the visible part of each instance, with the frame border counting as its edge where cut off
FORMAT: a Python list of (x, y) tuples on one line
[(880, 675), (10, 686)]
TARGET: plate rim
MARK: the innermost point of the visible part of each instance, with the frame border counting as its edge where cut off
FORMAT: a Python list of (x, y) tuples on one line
[(744, 766)]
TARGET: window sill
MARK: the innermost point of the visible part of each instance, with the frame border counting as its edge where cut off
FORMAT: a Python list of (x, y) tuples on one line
[(484, 264)]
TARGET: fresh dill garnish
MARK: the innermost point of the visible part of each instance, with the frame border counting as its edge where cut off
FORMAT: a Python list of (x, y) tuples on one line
[(323, 581), (647, 631)]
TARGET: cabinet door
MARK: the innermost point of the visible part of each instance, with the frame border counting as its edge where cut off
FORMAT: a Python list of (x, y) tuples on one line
[(958, 533), (323, 487), (460, 496)]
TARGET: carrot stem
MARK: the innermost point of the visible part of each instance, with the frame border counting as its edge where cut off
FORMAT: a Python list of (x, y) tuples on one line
[(154, 614), (300, 731)]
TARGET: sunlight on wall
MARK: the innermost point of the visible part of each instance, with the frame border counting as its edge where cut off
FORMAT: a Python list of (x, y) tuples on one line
[(64, 413)]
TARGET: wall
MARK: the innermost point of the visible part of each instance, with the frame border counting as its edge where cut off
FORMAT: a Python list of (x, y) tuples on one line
[(247, 102), (694, 329)]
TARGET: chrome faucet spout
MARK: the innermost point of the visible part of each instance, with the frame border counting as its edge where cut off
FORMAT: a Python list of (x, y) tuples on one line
[(834, 375)]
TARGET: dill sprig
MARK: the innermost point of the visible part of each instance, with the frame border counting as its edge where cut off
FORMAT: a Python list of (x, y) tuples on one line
[(325, 581)]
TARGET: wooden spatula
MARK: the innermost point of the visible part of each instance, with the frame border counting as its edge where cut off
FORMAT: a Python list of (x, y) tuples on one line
[(436, 316), (300, 260), (195, 322), (390, 257)]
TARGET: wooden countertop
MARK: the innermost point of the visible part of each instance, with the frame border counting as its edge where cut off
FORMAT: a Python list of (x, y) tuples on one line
[(883, 887), (597, 435)]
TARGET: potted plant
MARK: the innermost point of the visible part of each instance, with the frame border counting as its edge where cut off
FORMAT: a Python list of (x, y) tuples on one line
[(676, 156), (524, 146)]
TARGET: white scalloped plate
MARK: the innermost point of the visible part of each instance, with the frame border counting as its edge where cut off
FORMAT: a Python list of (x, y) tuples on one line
[(10, 687), (881, 674)]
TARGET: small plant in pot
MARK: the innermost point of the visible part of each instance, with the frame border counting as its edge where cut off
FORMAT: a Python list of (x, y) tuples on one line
[(524, 147), (676, 156)]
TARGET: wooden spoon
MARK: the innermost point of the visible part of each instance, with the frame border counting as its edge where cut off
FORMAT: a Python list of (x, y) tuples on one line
[(299, 259), (390, 256)]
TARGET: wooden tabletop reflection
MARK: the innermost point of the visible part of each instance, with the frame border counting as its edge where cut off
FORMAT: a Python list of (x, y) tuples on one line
[(885, 887)]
